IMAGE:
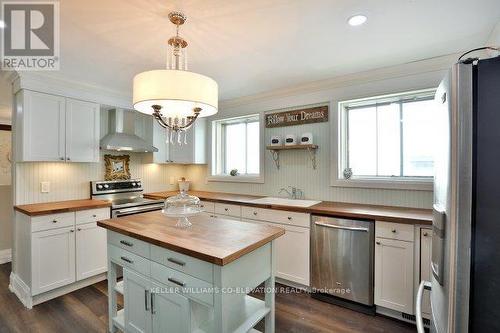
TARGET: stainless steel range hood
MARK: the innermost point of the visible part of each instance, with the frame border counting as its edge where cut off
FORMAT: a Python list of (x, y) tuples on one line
[(121, 134)]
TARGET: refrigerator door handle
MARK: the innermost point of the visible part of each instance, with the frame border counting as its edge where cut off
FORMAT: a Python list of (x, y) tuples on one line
[(424, 285)]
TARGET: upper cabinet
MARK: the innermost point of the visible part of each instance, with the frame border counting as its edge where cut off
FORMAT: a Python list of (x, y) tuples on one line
[(194, 152), (55, 128)]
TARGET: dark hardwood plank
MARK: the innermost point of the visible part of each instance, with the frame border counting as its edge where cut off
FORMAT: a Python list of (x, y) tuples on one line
[(85, 311)]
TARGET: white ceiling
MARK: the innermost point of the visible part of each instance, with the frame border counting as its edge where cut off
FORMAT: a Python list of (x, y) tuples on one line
[(253, 46)]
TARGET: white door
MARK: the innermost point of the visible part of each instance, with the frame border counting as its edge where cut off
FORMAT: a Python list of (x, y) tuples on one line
[(292, 255), (53, 259), (394, 274), (43, 127), (137, 298), (171, 312), (91, 250), (425, 267), (82, 131)]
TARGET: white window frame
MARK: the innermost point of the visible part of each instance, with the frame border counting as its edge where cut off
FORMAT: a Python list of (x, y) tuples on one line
[(217, 152), (339, 150)]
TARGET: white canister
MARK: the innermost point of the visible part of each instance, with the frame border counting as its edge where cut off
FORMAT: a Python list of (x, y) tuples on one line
[(184, 185), (276, 140), (306, 138), (290, 140)]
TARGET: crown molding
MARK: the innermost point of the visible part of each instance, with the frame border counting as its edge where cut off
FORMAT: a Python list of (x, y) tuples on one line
[(41, 82), (384, 73)]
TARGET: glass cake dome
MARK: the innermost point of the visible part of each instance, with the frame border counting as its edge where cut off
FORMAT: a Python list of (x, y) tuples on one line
[(182, 206)]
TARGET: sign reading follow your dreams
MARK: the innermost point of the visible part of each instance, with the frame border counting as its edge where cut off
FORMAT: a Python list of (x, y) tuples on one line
[(30, 35), (317, 114)]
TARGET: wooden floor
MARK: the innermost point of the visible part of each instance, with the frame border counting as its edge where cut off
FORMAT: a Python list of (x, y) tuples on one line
[(85, 310)]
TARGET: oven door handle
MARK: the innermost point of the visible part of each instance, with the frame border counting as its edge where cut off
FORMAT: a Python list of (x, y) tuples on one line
[(135, 210)]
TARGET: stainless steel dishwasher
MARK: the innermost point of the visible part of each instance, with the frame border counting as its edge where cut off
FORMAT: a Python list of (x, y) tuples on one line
[(342, 258)]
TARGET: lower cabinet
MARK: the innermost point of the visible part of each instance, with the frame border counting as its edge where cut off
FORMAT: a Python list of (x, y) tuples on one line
[(292, 255), (91, 250), (161, 311), (394, 274), (53, 259)]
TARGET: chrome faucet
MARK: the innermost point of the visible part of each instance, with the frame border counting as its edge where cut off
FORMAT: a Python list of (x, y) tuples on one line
[(294, 193)]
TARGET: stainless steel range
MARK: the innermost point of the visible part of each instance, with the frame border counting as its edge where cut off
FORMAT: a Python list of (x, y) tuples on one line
[(126, 197)]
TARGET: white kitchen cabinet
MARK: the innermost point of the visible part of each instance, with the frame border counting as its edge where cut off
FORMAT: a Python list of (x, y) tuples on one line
[(193, 152), (394, 274), (91, 250), (292, 255), (40, 126), (53, 259), (55, 128), (171, 312), (82, 131), (137, 313), (425, 268)]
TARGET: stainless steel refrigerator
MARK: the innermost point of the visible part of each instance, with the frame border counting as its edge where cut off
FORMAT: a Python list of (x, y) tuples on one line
[(465, 294)]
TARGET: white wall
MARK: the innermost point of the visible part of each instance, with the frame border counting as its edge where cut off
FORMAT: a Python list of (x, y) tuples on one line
[(295, 166)]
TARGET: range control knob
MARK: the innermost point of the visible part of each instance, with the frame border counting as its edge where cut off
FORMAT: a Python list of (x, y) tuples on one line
[(134, 184), (106, 186), (99, 187), (138, 184)]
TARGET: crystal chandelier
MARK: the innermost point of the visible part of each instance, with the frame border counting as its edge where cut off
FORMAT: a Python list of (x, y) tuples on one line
[(174, 96)]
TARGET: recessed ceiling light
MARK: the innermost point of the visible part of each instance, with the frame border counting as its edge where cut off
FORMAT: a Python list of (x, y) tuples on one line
[(2, 24), (357, 20)]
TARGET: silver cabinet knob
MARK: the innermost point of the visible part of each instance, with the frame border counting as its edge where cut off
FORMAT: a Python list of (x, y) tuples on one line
[(378, 243), (426, 234), (72, 230), (79, 229), (69, 159), (54, 221), (289, 218), (61, 158), (255, 213), (94, 216), (393, 231)]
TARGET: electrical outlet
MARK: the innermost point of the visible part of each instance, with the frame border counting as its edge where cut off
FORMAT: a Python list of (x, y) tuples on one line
[(45, 187), (172, 180)]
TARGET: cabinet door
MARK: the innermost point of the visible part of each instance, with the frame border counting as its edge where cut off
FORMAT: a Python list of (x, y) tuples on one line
[(53, 259), (43, 127), (160, 142), (394, 274), (137, 298), (171, 312), (292, 255), (183, 153), (82, 131), (91, 250), (425, 267)]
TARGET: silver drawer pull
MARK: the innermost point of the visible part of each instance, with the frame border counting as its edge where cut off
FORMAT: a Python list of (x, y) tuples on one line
[(94, 216), (177, 282), (127, 260), (177, 262), (341, 227), (126, 243)]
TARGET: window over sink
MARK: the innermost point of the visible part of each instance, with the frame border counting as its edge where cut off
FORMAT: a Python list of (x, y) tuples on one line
[(387, 141), (236, 149)]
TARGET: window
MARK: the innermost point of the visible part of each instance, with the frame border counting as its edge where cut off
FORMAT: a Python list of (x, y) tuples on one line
[(387, 138), (236, 146)]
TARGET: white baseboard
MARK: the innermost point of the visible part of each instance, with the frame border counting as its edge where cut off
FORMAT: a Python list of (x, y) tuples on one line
[(22, 291), (5, 256)]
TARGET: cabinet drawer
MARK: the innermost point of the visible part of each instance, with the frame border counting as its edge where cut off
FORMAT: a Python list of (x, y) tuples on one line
[(188, 285), (128, 259), (404, 232), (53, 221), (182, 263), (92, 215), (207, 206), (128, 243), (276, 216), (227, 209)]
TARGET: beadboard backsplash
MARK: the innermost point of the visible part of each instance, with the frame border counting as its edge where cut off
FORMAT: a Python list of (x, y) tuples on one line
[(70, 181)]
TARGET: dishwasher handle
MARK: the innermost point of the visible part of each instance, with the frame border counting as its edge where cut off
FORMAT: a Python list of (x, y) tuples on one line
[(420, 322), (341, 227)]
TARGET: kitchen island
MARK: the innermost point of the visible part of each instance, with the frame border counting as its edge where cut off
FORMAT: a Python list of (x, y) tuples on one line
[(189, 280)]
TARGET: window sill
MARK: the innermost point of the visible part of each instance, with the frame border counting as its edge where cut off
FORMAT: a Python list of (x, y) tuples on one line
[(236, 179), (391, 184)]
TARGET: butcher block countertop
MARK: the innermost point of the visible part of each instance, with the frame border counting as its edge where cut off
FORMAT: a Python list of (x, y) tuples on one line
[(61, 207), (329, 208), (218, 242)]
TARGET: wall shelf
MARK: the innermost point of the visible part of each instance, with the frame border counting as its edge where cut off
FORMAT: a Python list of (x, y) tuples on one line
[(275, 151)]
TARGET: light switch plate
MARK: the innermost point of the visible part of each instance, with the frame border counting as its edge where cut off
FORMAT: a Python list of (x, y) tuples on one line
[(172, 180), (45, 187)]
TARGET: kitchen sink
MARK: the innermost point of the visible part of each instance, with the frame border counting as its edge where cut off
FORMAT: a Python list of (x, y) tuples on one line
[(285, 202)]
